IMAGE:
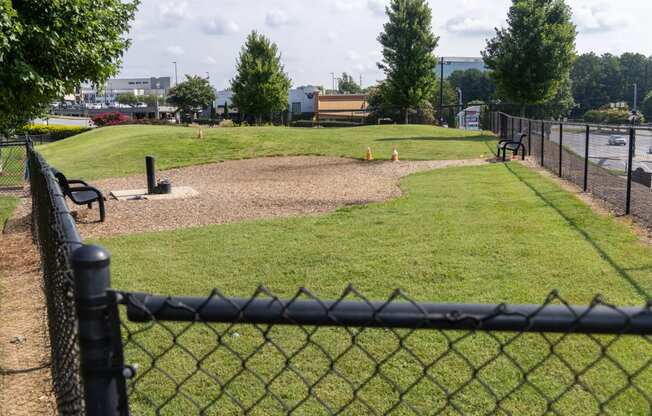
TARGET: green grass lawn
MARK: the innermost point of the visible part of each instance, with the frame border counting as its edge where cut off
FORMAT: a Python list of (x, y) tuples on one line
[(7, 206), (488, 234), (119, 151)]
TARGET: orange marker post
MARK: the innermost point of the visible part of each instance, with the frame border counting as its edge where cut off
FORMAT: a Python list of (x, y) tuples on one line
[(369, 156), (394, 155)]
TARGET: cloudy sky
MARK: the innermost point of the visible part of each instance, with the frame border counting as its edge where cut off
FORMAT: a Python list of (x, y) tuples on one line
[(317, 37)]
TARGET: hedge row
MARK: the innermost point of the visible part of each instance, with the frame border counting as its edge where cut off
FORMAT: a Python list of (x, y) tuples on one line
[(56, 131)]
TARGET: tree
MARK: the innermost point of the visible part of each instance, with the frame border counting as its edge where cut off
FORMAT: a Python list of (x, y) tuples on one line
[(408, 60), (48, 48), (646, 107), (192, 95), (587, 82), (475, 85), (260, 86), (127, 98), (347, 85), (532, 57), (152, 99), (633, 66)]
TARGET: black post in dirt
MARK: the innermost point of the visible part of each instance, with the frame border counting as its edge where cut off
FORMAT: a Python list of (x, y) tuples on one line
[(561, 145), (101, 366), (586, 158), (543, 135), (630, 159), (151, 174)]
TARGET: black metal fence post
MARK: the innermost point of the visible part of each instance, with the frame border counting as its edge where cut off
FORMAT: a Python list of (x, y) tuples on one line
[(102, 378), (586, 158), (630, 160), (529, 138), (561, 146), (543, 135)]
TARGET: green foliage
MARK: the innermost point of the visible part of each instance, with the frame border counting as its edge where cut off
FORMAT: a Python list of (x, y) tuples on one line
[(56, 131), (260, 86), (646, 107), (347, 85), (475, 85), (127, 98), (408, 60), (558, 107), (533, 56), (48, 47), (191, 95), (610, 116), (152, 99)]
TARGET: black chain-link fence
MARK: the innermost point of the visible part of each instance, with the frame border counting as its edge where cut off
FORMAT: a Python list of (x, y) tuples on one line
[(264, 355), (120, 353), (596, 158), (12, 165), (56, 236)]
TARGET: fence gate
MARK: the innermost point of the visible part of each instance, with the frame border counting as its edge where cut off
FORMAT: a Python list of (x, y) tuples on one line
[(12, 165)]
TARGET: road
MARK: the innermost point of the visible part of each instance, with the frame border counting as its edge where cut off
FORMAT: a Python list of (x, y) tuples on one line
[(66, 121)]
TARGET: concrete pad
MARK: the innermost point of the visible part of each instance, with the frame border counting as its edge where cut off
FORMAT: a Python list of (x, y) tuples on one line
[(178, 192)]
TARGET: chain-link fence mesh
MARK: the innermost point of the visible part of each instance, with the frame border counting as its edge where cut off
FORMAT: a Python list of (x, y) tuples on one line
[(56, 236), (12, 165), (354, 356)]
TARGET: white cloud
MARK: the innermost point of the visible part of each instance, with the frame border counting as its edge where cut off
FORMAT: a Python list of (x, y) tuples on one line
[(331, 36), (277, 18), (377, 7), (346, 5), (209, 60), (599, 18), (219, 26), (173, 12), (174, 50), (469, 26)]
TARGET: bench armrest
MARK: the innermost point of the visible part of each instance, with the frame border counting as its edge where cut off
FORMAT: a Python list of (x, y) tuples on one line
[(86, 188), (77, 181)]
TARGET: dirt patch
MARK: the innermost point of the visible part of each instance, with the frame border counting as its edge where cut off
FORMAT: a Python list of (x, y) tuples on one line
[(23, 328), (255, 188)]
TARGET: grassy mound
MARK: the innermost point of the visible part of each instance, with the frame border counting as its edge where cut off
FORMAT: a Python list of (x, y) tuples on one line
[(119, 151)]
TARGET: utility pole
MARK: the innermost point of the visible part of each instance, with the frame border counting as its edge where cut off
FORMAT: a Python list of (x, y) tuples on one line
[(360, 81), (441, 91), (333, 76), (176, 79), (635, 96)]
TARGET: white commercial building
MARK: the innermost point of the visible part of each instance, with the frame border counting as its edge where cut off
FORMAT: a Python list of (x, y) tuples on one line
[(301, 100), (91, 93)]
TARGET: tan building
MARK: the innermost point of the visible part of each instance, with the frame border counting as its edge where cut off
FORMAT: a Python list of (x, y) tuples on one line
[(348, 107)]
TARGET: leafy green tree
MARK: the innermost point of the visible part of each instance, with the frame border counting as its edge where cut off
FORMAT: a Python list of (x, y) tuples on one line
[(47, 48), (612, 78), (192, 95), (347, 85), (559, 106), (587, 82), (475, 85), (646, 107), (127, 98), (152, 99), (260, 86), (408, 60), (226, 110), (633, 67), (533, 56)]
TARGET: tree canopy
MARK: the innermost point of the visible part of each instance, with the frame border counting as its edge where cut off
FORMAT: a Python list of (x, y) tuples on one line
[(127, 98), (192, 95), (347, 85), (475, 85), (532, 57), (260, 86), (48, 48), (408, 60)]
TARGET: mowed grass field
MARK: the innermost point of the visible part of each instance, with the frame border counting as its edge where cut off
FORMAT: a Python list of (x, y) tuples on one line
[(7, 206), (488, 234), (120, 150)]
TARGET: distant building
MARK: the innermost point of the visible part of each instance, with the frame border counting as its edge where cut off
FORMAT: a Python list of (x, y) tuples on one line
[(106, 94), (301, 101), (452, 64)]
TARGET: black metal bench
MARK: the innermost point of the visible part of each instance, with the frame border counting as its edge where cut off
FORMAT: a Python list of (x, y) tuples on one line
[(81, 195), (514, 144)]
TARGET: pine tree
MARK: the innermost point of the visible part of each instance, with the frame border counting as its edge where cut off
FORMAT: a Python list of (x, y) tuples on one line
[(260, 86), (408, 60), (532, 58)]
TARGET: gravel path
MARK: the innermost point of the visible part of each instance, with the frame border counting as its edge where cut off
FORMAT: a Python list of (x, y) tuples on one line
[(254, 188)]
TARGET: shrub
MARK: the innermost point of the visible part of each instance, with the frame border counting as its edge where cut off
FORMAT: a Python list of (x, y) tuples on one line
[(609, 116), (56, 131), (227, 123), (110, 119), (149, 121)]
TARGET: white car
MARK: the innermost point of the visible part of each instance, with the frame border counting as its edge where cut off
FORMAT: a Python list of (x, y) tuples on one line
[(615, 140)]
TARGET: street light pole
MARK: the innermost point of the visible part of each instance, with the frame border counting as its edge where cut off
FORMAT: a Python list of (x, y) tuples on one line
[(176, 79), (333, 77), (635, 96), (441, 91)]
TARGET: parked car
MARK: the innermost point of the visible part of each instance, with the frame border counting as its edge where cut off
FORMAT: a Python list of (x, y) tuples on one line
[(616, 140)]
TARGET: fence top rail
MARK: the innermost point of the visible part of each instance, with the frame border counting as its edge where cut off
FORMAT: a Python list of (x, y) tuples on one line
[(577, 123), (397, 312)]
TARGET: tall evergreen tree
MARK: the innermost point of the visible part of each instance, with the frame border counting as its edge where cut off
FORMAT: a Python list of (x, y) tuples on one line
[(408, 60), (347, 85), (260, 86), (533, 56)]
